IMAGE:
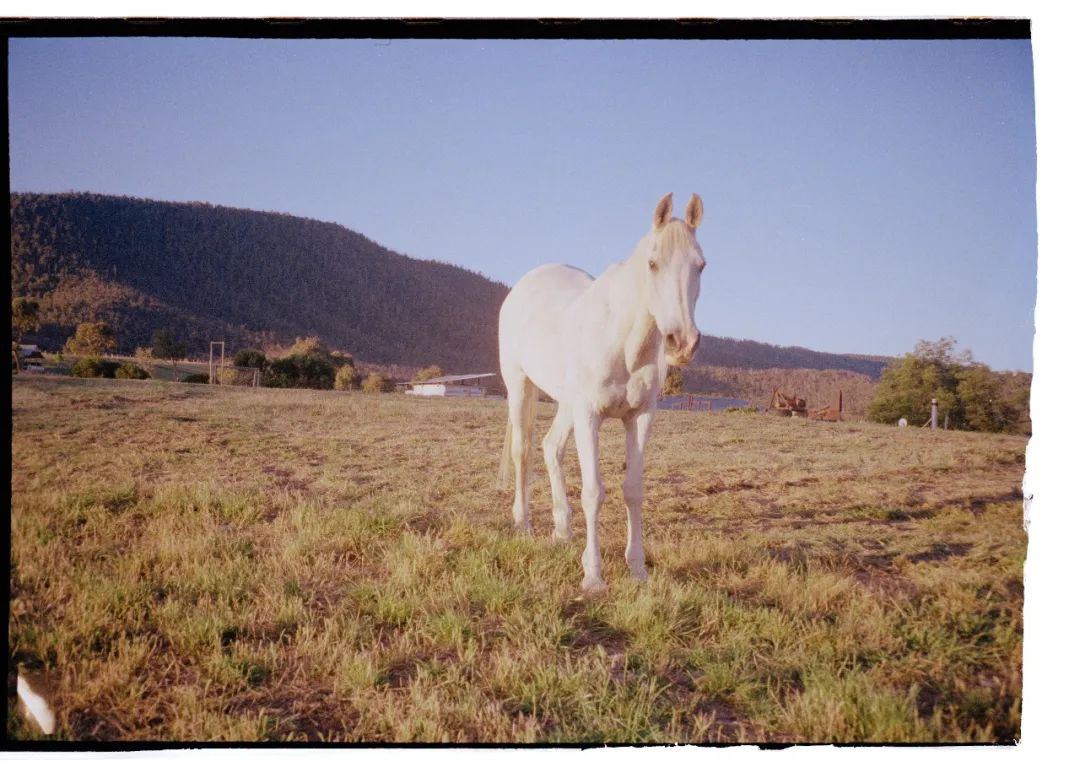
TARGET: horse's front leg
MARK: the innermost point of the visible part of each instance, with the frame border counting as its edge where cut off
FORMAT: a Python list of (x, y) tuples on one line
[(587, 439), (637, 433)]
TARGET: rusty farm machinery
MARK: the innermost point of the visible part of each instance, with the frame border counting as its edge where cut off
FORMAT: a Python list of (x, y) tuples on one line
[(795, 406)]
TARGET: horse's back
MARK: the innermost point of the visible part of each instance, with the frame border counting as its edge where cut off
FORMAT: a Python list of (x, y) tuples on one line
[(552, 282), (531, 324)]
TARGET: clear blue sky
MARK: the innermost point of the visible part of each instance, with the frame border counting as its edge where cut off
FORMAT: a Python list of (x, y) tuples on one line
[(859, 195)]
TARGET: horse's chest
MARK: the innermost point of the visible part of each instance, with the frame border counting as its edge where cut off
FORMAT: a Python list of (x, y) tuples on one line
[(637, 391)]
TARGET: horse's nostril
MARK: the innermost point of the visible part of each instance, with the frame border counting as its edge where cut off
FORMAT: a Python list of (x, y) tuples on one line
[(670, 339)]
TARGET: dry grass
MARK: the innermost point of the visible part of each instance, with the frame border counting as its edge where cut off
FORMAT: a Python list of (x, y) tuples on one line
[(206, 563)]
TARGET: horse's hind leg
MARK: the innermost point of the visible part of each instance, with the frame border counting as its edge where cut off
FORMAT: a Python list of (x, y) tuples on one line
[(554, 448), (521, 394)]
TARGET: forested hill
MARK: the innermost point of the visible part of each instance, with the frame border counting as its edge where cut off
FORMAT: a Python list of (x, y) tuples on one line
[(735, 353), (207, 272)]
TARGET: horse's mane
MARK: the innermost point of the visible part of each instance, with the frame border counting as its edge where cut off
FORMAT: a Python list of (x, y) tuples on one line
[(674, 235)]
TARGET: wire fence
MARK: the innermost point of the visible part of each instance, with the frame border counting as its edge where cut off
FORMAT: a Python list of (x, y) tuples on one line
[(234, 376)]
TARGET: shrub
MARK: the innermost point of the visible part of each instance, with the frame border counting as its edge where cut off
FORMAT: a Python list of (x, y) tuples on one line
[(303, 371), (197, 378), (431, 371), (94, 367), (341, 359), (307, 365), (377, 383), (250, 358), (346, 378), (131, 370), (308, 346)]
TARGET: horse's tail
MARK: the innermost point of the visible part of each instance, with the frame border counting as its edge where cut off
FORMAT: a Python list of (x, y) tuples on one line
[(528, 421)]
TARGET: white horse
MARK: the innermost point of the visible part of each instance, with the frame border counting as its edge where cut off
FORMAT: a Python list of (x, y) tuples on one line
[(600, 348)]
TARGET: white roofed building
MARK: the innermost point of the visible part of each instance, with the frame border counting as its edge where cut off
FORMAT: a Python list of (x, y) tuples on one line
[(469, 385)]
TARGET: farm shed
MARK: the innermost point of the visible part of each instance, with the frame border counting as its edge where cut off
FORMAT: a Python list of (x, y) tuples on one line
[(31, 358), (698, 402), (469, 385)]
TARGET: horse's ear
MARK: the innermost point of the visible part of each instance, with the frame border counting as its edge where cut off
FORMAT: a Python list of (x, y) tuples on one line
[(694, 212), (662, 213)]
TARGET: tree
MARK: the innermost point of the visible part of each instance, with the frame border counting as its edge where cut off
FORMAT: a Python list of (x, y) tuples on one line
[(165, 347), (673, 382), (376, 383), (907, 388), (25, 317), (144, 356), (92, 339), (431, 371), (982, 398), (346, 378), (969, 393), (1015, 398)]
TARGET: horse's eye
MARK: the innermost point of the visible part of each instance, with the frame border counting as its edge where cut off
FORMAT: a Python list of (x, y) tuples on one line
[(702, 268), (652, 265)]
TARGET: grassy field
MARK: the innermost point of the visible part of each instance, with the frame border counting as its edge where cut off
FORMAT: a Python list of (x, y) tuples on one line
[(210, 563)]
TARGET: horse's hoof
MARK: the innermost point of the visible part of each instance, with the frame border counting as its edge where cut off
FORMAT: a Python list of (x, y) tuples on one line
[(639, 575), (593, 586), (558, 536), (522, 529)]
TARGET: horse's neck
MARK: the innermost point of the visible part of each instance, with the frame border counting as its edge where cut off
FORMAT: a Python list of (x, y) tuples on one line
[(634, 325), (642, 345)]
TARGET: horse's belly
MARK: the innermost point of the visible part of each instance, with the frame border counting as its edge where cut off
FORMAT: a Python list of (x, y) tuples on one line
[(545, 364)]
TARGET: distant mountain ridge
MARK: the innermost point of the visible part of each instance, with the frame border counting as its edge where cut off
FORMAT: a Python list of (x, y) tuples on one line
[(253, 278), (743, 353)]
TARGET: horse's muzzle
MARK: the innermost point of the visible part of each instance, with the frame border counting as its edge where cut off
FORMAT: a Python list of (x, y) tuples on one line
[(680, 348)]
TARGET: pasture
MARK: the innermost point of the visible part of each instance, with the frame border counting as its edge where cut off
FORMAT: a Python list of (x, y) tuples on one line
[(216, 563)]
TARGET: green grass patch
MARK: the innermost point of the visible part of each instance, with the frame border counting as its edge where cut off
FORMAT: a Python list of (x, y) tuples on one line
[(193, 563)]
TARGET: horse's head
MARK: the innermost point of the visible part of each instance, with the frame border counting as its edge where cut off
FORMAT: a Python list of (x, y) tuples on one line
[(674, 264)]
